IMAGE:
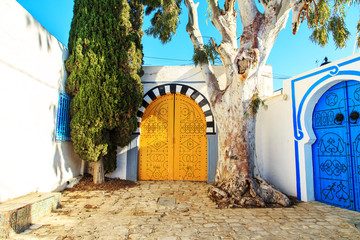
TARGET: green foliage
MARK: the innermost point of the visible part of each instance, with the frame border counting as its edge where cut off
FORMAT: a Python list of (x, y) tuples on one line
[(255, 103), (328, 18), (104, 82), (165, 19), (205, 53)]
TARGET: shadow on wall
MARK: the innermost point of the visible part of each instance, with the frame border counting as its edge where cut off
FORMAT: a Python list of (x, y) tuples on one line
[(30, 21), (62, 71), (66, 164)]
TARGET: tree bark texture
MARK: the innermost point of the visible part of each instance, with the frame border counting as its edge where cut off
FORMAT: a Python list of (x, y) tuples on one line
[(98, 171), (236, 184)]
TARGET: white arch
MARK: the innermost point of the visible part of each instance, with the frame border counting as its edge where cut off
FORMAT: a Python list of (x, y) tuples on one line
[(305, 144)]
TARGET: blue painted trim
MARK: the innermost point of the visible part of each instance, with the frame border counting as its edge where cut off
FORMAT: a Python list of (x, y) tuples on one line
[(298, 134), (298, 187), (354, 73), (297, 130)]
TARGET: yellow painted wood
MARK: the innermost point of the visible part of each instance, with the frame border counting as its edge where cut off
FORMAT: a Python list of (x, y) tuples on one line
[(156, 147), (190, 151), (173, 142)]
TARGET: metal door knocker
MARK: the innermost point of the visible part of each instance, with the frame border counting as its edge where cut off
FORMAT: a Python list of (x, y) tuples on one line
[(339, 118), (354, 116)]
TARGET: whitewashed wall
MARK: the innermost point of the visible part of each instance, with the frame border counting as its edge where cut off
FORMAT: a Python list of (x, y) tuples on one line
[(275, 144), (32, 74)]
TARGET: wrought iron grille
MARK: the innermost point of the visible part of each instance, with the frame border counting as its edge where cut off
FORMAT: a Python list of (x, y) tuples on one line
[(63, 118)]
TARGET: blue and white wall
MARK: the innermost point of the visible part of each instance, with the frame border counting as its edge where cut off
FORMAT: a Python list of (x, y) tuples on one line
[(284, 131), (32, 75), (304, 91)]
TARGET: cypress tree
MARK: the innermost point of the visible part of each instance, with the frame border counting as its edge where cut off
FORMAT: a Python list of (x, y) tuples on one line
[(104, 83)]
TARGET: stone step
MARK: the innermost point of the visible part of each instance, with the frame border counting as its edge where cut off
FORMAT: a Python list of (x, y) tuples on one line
[(16, 215)]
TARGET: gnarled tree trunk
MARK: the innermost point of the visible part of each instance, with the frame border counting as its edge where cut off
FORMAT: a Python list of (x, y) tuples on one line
[(233, 107)]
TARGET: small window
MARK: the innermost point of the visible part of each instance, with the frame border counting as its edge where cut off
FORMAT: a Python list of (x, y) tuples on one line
[(63, 118)]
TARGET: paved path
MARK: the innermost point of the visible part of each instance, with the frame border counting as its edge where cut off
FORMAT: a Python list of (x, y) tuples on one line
[(181, 210)]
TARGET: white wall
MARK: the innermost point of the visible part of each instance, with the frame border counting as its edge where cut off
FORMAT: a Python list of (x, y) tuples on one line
[(187, 75), (32, 75), (275, 145)]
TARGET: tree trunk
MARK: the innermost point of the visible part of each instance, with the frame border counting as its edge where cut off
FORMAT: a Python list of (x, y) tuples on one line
[(236, 184), (98, 171), (233, 107)]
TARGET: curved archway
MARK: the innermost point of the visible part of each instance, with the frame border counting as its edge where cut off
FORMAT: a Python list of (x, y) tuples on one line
[(182, 89), (303, 107), (173, 142)]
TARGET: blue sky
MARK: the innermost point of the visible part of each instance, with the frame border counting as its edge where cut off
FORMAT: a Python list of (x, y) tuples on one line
[(290, 56)]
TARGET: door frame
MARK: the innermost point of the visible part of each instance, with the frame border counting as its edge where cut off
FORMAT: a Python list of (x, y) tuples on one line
[(174, 135), (202, 101), (342, 130), (306, 90)]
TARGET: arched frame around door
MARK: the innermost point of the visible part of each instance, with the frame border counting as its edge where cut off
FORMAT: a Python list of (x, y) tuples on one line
[(173, 142), (201, 100), (306, 90), (191, 92)]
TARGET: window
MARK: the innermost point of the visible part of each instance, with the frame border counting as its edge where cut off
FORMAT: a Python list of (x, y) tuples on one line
[(63, 118)]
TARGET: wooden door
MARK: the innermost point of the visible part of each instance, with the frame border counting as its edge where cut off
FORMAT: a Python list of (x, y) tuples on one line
[(336, 151), (173, 142)]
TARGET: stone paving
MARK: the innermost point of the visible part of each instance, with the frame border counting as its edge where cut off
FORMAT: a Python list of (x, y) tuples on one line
[(181, 210)]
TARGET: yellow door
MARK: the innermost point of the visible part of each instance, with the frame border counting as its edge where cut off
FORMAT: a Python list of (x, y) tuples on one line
[(156, 148), (173, 142)]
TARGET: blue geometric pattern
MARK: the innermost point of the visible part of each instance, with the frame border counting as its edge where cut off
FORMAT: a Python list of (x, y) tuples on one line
[(336, 150), (63, 118), (297, 107)]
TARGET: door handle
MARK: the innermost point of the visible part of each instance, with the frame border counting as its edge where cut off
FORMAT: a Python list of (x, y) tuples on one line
[(339, 118), (354, 116)]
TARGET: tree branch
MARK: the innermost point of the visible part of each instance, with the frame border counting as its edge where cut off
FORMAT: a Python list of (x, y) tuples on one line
[(248, 12), (192, 28), (225, 21)]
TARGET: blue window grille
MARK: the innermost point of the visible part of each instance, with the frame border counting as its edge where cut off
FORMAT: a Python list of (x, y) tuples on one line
[(63, 118)]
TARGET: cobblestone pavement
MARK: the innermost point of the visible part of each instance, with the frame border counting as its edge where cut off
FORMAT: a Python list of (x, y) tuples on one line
[(182, 210)]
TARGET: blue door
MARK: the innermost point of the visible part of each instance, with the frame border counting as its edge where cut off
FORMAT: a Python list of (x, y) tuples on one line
[(336, 152)]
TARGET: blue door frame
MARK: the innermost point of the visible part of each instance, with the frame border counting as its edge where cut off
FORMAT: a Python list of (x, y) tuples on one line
[(336, 152)]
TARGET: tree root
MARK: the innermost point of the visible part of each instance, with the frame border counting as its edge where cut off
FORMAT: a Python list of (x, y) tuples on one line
[(247, 193)]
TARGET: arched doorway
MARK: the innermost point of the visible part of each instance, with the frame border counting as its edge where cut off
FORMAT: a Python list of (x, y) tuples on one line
[(336, 151), (173, 142)]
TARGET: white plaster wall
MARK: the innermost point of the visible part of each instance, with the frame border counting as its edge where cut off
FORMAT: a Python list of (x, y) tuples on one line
[(121, 164), (275, 145), (192, 76), (32, 75), (266, 82), (187, 75)]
